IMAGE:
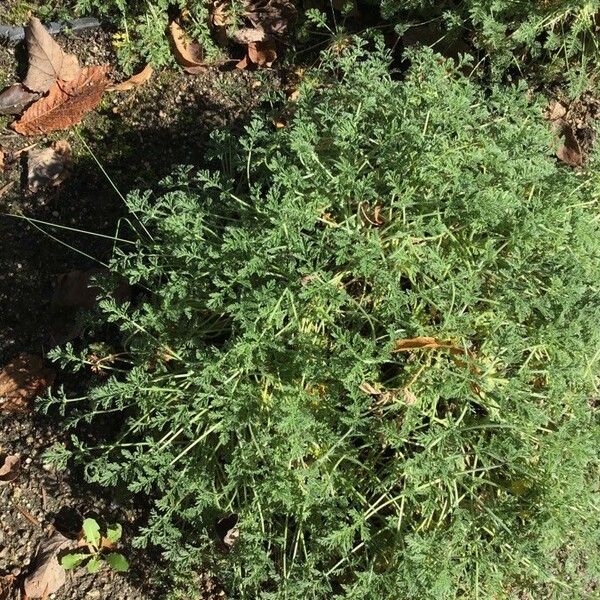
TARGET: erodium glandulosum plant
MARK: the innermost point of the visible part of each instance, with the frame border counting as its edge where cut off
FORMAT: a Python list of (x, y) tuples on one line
[(270, 376)]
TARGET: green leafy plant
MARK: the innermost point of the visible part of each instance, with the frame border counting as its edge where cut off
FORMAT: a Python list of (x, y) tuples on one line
[(98, 549), (372, 337)]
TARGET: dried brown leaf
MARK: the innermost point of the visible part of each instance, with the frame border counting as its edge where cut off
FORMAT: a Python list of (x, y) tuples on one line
[(555, 110), (6, 586), (66, 103), (47, 60), (570, 151), (220, 14), (2, 160), (262, 54), (10, 468), (15, 99), (134, 81), (367, 388), (21, 380), (249, 35), (48, 166), (421, 343), (188, 54), (48, 575)]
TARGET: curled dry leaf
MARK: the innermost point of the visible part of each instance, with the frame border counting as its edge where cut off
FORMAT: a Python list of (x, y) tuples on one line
[(48, 166), (48, 576), (228, 530), (220, 15), (262, 54), (15, 99), (66, 103), (10, 468), (134, 81), (47, 60), (570, 151), (21, 380), (188, 54), (422, 343)]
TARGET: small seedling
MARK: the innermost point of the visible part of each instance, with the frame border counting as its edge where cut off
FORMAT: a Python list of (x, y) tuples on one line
[(96, 549)]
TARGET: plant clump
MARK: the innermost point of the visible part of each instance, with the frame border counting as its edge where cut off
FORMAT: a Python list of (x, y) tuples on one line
[(367, 344)]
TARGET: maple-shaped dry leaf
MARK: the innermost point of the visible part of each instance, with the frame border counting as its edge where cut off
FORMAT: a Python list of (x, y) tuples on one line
[(48, 575), (47, 60), (134, 81), (9, 469), (21, 380), (421, 343), (188, 54), (66, 103)]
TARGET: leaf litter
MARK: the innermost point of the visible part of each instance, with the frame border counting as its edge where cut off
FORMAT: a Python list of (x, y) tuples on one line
[(48, 166), (48, 575), (10, 468), (66, 103), (21, 380), (47, 60)]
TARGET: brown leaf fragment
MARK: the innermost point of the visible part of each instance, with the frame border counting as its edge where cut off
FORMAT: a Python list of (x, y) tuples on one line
[(48, 576), (15, 99), (421, 343), (10, 468), (187, 53), (368, 389), (555, 110), (66, 103), (47, 60), (220, 14), (6, 586), (21, 380), (570, 151), (48, 166), (2, 160), (134, 81), (262, 54), (249, 35)]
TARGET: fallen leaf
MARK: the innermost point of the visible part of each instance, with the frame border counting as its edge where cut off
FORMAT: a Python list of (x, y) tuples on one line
[(570, 151), (15, 99), (262, 54), (2, 163), (220, 14), (421, 343), (6, 586), (187, 53), (48, 576), (249, 35), (21, 380), (409, 397), (48, 166), (555, 110), (66, 103), (367, 388), (10, 468), (228, 530), (134, 81), (47, 60)]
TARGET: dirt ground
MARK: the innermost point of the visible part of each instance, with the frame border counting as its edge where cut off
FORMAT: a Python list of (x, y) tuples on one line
[(137, 136)]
